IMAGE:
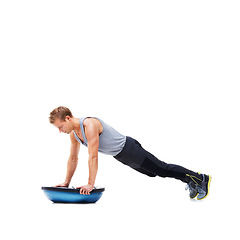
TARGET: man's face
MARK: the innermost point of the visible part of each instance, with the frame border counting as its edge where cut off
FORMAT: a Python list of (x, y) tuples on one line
[(63, 126)]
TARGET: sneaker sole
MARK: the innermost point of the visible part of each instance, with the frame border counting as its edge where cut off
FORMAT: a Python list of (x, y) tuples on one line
[(194, 196), (210, 179)]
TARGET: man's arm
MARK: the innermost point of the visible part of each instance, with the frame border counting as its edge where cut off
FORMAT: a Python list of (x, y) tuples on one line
[(72, 161), (92, 135)]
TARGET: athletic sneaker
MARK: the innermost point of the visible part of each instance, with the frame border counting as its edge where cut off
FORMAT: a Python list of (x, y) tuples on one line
[(193, 189), (203, 187)]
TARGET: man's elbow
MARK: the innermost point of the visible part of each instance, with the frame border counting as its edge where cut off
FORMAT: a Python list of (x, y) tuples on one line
[(93, 158), (73, 159)]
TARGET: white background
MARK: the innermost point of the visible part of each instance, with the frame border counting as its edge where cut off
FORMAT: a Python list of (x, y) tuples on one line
[(163, 72)]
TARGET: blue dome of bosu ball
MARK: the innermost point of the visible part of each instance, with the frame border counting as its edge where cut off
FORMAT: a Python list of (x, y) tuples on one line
[(72, 195)]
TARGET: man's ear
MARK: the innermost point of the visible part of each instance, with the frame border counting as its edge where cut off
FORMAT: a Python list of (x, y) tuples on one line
[(67, 118)]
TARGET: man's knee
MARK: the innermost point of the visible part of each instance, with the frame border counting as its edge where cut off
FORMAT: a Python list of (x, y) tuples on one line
[(144, 171), (157, 169)]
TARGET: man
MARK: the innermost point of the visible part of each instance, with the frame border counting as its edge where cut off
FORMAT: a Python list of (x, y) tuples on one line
[(100, 137)]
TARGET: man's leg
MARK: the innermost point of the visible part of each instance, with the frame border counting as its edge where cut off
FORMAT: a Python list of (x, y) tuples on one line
[(142, 161), (136, 157), (162, 169)]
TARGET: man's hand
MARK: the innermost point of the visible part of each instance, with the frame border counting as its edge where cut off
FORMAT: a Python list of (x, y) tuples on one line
[(62, 185), (85, 190)]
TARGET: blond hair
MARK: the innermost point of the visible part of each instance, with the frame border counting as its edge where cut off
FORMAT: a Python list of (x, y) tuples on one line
[(60, 113)]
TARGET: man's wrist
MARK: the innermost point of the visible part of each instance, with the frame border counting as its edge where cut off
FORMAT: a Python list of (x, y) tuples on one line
[(91, 184), (66, 182)]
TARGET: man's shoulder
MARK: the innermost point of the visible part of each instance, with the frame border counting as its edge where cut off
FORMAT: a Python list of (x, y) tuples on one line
[(92, 124), (90, 121)]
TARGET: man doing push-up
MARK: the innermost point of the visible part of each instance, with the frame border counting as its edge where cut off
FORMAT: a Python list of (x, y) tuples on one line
[(98, 136)]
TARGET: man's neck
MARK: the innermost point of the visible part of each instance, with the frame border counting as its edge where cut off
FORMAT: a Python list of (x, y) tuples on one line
[(76, 125)]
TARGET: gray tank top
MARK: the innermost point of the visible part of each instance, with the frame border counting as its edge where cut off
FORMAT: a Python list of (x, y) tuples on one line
[(111, 142)]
